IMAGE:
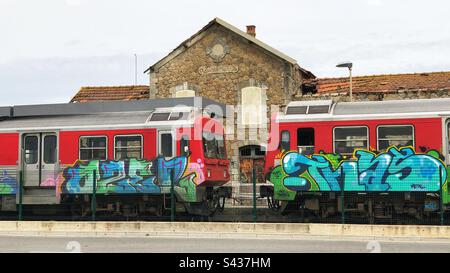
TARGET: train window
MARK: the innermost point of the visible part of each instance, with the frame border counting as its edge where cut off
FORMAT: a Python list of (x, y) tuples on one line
[(285, 143), (93, 147), (179, 116), (305, 140), (128, 147), (31, 149), (347, 139), (49, 149), (160, 116), (166, 147), (318, 109), (221, 146), (184, 142), (213, 145), (297, 110), (395, 135)]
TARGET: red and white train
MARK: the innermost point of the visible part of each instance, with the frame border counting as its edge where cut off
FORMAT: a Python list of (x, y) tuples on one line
[(388, 158), (130, 154)]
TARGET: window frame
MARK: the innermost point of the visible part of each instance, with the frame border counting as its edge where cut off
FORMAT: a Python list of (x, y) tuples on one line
[(93, 136), (159, 142), (37, 149), (396, 125), (44, 146), (261, 106), (130, 135), (352, 126), (187, 139)]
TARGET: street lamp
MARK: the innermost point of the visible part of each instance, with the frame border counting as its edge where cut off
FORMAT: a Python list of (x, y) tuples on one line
[(349, 65)]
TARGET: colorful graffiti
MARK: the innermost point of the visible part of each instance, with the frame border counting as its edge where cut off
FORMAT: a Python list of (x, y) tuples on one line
[(8, 183), (123, 177), (132, 176), (397, 169)]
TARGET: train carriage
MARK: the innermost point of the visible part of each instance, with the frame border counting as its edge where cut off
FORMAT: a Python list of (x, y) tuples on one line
[(387, 159), (133, 152)]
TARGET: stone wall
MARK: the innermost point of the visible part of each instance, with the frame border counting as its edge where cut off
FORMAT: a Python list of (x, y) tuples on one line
[(218, 66)]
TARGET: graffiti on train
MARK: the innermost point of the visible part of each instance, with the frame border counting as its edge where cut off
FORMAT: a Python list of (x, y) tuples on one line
[(132, 176), (397, 169), (8, 183)]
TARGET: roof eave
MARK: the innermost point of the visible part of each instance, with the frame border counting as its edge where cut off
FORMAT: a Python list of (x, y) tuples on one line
[(235, 30)]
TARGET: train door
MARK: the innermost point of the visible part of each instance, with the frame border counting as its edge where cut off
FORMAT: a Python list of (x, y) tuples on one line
[(166, 144), (251, 157), (39, 159)]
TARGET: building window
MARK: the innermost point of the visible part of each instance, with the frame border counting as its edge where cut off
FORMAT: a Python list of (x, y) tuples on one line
[(395, 135), (93, 148), (252, 105), (285, 143), (347, 139), (184, 93), (252, 151), (126, 147)]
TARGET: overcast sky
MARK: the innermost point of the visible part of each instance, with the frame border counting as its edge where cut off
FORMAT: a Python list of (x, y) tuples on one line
[(50, 48)]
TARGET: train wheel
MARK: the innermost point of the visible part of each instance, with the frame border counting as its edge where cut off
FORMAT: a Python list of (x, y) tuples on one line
[(212, 205), (76, 211)]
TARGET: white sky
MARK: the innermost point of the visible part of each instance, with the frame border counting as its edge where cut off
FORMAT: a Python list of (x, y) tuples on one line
[(50, 48)]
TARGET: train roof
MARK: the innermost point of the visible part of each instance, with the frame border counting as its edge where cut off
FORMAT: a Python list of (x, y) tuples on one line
[(63, 109), (126, 114), (327, 109)]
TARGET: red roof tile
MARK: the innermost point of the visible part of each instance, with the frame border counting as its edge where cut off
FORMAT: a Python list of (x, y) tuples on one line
[(384, 83), (105, 93)]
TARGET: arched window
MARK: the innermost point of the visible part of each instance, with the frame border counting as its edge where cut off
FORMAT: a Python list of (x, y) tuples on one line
[(184, 93), (252, 105)]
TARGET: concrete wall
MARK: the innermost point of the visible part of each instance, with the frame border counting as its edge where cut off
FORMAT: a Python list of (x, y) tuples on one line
[(202, 229)]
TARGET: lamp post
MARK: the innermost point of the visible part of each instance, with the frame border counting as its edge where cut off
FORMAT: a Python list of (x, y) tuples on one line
[(349, 65)]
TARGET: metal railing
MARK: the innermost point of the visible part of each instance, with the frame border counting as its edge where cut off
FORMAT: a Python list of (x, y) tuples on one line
[(344, 207)]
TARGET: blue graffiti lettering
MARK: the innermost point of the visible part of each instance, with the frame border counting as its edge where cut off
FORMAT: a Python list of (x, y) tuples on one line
[(394, 170)]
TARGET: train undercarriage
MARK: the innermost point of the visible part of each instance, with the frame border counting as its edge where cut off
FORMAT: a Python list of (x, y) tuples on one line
[(361, 207), (210, 200)]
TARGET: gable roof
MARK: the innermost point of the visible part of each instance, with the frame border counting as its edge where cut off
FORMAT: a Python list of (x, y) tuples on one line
[(217, 21), (108, 93), (433, 81)]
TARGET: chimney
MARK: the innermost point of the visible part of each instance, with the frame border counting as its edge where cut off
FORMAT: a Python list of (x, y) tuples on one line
[(251, 30)]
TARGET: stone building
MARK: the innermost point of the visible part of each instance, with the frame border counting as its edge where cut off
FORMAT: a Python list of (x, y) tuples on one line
[(231, 66)]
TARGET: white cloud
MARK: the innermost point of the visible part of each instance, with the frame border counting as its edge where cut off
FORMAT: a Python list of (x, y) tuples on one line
[(374, 2), (50, 48)]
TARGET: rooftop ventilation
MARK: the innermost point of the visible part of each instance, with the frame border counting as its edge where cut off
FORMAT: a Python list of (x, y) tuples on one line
[(171, 116), (309, 107)]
